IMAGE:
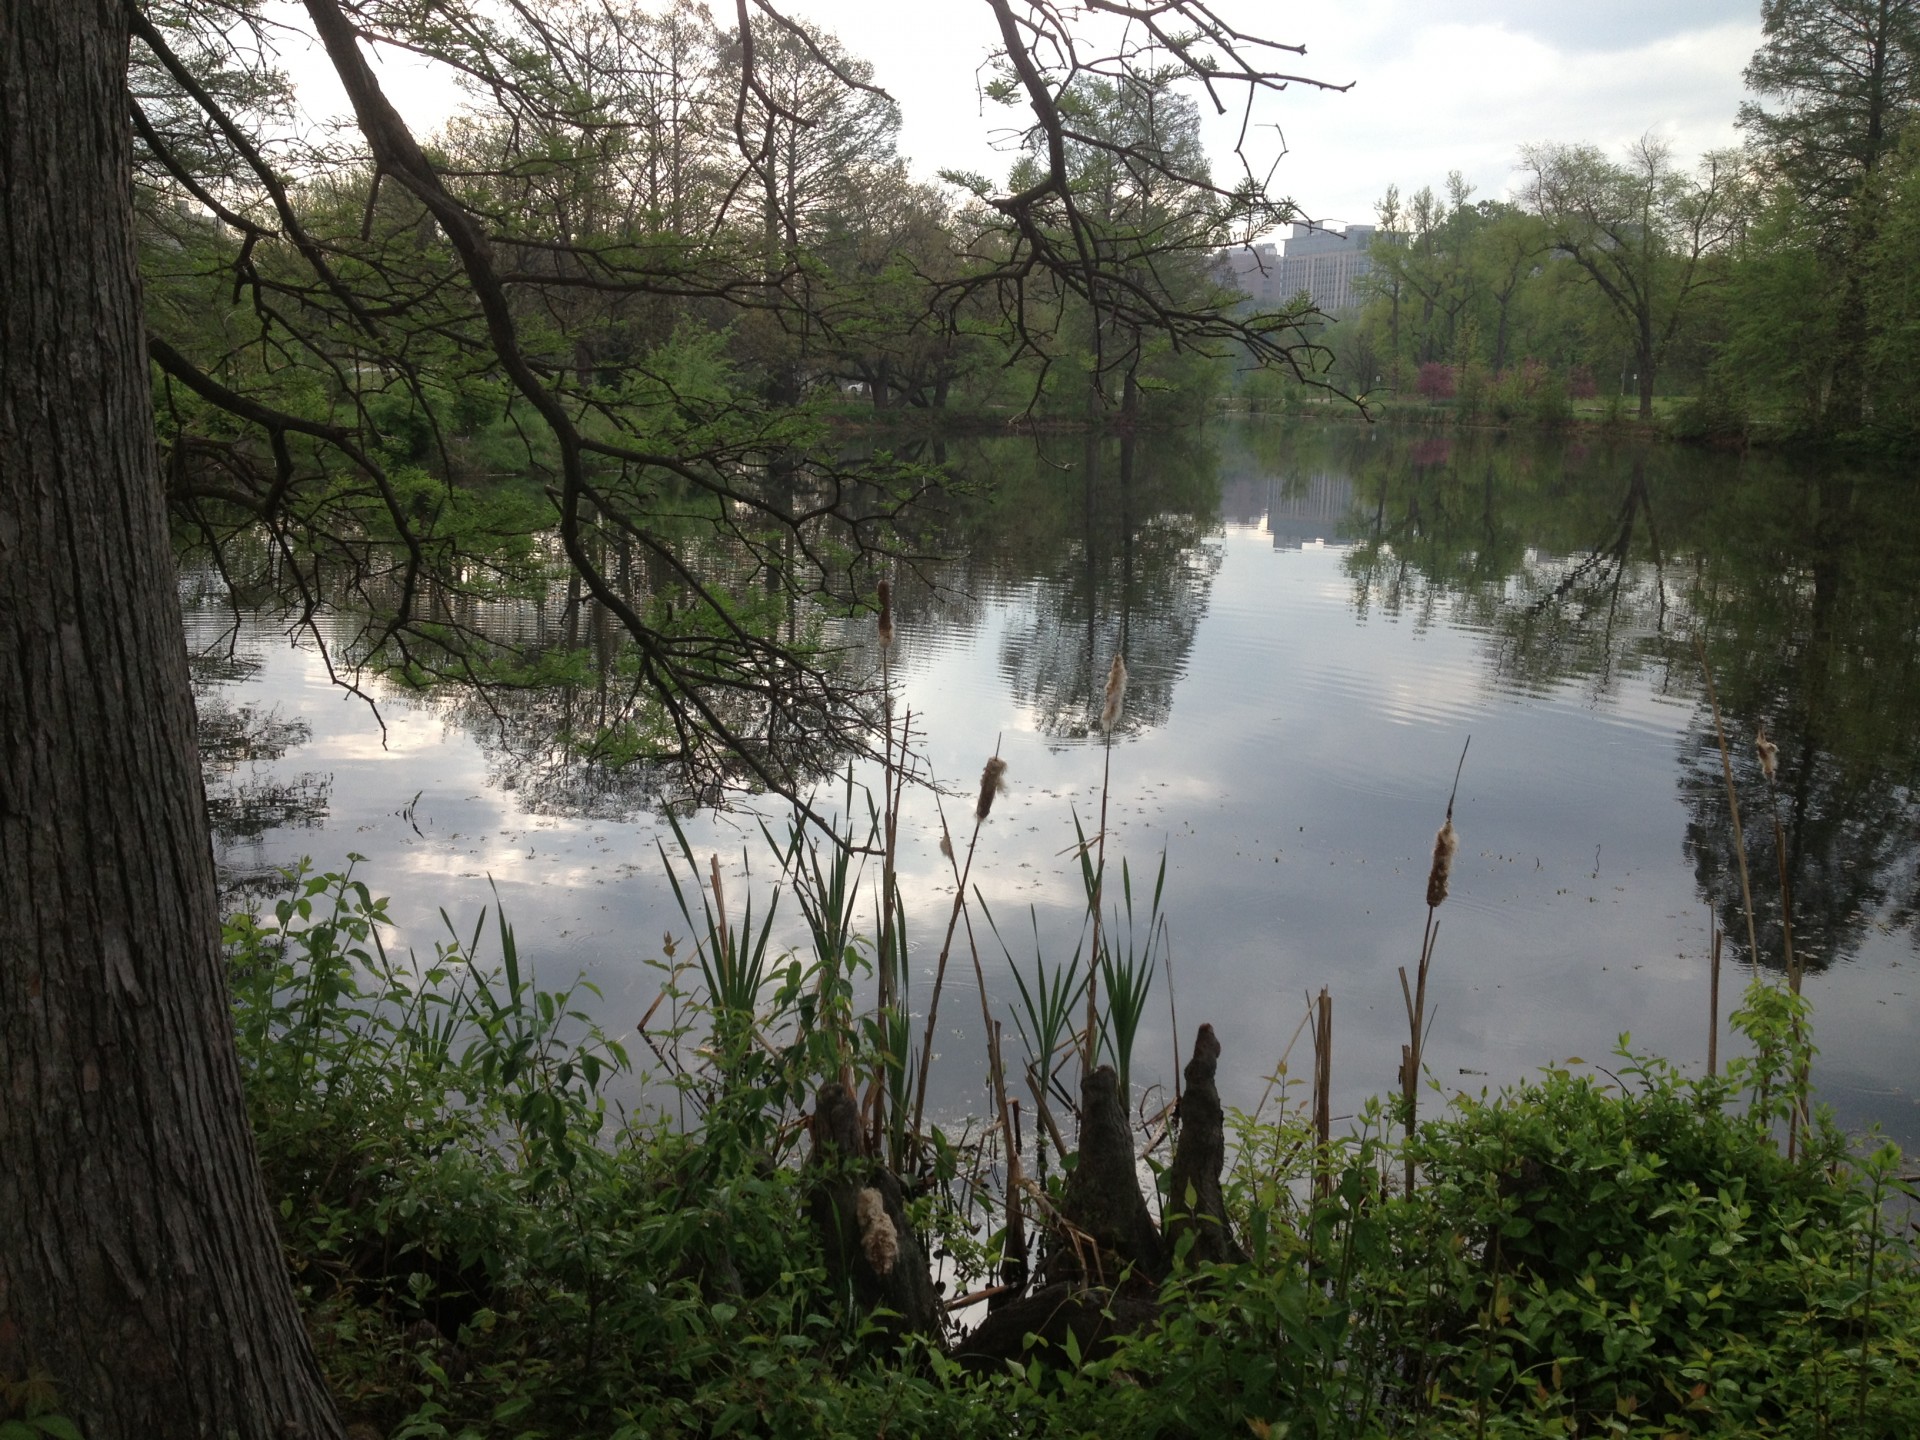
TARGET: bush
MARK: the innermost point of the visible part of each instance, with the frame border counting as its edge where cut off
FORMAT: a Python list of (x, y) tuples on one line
[(483, 1250), (1436, 381)]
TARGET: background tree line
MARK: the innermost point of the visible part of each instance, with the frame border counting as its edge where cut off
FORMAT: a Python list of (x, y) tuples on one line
[(1772, 284)]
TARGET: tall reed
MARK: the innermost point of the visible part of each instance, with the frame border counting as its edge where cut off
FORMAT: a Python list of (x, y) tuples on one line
[(1323, 1095), (888, 1093), (1439, 877), (992, 783), (1733, 801), (1113, 702), (1769, 756)]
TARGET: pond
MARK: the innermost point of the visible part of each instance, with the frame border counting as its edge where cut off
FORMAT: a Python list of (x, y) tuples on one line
[(1316, 619)]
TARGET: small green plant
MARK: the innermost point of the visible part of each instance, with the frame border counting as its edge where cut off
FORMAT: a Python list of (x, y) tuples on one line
[(29, 1410), (484, 1248), (1045, 1020), (1126, 976)]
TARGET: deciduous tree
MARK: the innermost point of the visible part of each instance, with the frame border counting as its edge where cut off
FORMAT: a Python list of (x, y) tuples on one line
[(1645, 232)]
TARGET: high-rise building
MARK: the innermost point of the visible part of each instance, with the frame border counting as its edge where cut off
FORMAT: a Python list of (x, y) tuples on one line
[(1316, 260)]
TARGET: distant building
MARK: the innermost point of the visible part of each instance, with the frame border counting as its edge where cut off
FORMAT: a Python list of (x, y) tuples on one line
[(1317, 260)]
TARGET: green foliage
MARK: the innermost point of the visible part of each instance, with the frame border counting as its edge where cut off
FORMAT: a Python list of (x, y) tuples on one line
[(482, 1250), (29, 1410)]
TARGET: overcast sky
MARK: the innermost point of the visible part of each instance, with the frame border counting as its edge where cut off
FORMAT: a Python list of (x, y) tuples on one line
[(1437, 86)]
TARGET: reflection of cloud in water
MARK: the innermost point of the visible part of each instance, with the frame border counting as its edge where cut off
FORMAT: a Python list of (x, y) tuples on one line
[(1296, 762)]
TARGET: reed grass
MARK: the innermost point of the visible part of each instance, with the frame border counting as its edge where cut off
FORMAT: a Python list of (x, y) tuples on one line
[(732, 961), (1323, 1095), (992, 782), (1733, 801), (1045, 1019), (1128, 975), (1113, 702), (1439, 878)]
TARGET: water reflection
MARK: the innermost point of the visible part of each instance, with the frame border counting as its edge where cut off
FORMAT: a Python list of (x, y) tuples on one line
[(1588, 564), (239, 744), (1810, 617), (1122, 557), (1314, 617)]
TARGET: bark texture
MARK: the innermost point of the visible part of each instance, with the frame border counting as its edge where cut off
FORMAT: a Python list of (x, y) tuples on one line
[(139, 1267), (1039, 1324), (1194, 1202), (1102, 1197), (870, 1251)]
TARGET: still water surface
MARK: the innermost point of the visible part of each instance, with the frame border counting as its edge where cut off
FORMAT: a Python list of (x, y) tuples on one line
[(1316, 620)]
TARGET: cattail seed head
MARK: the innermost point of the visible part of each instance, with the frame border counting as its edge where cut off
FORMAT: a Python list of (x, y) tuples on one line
[(1768, 751), (1444, 844), (1116, 694), (993, 781), (946, 845), (878, 1239), (886, 614)]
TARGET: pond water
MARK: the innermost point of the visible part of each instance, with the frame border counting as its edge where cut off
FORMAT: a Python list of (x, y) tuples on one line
[(1316, 620)]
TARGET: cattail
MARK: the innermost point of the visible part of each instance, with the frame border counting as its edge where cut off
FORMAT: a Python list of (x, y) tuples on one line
[(946, 845), (1768, 751), (886, 614), (878, 1239), (1116, 694), (1444, 844), (993, 781)]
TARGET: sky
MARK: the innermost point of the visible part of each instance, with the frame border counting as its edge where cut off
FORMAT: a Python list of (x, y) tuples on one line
[(1436, 85)]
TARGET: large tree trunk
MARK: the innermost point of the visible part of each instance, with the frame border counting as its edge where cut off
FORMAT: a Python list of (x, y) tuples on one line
[(139, 1268)]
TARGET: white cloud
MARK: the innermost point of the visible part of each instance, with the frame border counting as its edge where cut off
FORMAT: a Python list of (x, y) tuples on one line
[(1434, 96), (1435, 88)]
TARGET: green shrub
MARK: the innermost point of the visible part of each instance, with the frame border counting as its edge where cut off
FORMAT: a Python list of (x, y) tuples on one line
[(485, 1248)]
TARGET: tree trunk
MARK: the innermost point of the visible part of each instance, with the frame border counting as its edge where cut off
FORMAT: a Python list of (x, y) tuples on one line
[(139, 1269), (1645, 360)]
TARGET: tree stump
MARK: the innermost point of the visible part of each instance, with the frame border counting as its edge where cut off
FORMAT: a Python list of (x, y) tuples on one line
[(1194, 1203), (856, 1207), (1043, 1320), (1102, 1199)]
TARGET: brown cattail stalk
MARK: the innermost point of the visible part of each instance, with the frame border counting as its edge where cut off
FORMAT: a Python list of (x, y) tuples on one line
[(1713, 995), (993, 781), (1013, 1268), (892, 778), (1439, 875), (720, 912), (886, 614), (1323, 1095), (1114, 699), (1445, 842), (1116, 695)]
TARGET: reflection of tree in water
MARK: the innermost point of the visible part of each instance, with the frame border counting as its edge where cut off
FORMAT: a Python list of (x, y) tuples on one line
[(1813, 619), (716, 679), (1082, 540), (244, 802), (573, 728), (1552, 553), (1591, 565), (1133, 575)]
